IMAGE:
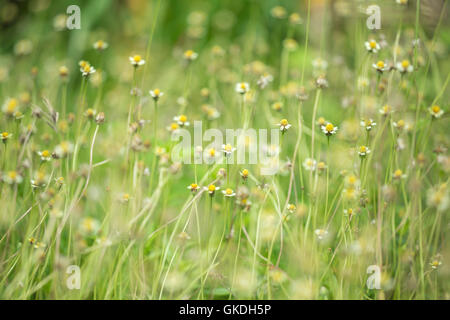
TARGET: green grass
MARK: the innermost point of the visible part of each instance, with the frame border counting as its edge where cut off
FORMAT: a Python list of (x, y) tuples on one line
[(124, 214)]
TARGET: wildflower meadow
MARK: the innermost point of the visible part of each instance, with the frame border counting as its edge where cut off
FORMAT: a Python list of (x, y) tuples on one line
[(171, 149)]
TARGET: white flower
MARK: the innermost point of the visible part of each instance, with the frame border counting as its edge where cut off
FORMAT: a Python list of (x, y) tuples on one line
[(329, 129), (156, 94), (380, 66), (242, 87), (228, 149), (309, 164), (368, 124), (100, 45), (372, 46), (181, 120), (363, 151), (45, 155), (320, 64), (264, 80), (87, 70), (284, 125), (228, 192), (436, 111), (321, 233), (137, 60), (404, 66)]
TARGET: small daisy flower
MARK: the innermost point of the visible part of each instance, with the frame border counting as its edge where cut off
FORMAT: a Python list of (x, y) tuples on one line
[(329, 129), (349, 212), (278, 12), (264, 80), (59, 181), (363, 151), (284, 125), (309, 164), (193, 187), (100, 45), (63, 149), (173, 127), (5, 136), (291, 208), (405, 66), (368, 124), (385, 110), (228, 192), (321, 166), (435, 264), (87, 70), (321, 233), (136, 60), (181, 120), (40, 180), (398, 174), (10, 106), (321, 82), (242, 87), (124, 197), (436, 111), (90, 114), (63, 72), (402, 2), (244, 174), (400, 124), (372, 46), (211, 189), (228, 149), (45, 155), (320, 64), (89, 225), (277, 106), (380, 66), (12, 177), (190, 55), (156, 94)]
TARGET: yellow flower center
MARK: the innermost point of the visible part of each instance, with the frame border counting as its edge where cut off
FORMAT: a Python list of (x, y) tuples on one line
[(212, 188), (398, 173), (45, 153), (183, 118), (5, 134), (284, 122), (228, 147), (373, 44), (212, 152), (83, 63), (436, 109), (362, 149), (401, 123), (12, 175), (352, 180), (245, 172), (243, 86), (189, 53), (405, 64), (137, 58), (229, 191), (380, 64), (329, 127), (87, 68), (321, 121), (174, 126), (194, 186), (12, 104), (156, 92)]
